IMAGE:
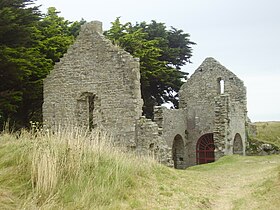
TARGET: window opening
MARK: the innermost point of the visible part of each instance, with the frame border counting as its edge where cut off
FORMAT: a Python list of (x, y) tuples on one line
[(221, 86), (90, 111)]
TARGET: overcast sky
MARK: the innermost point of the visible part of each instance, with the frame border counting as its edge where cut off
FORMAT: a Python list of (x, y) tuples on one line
[(243, 35)]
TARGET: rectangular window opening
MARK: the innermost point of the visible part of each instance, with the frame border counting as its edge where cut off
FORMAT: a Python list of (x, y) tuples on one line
[(221, 86)]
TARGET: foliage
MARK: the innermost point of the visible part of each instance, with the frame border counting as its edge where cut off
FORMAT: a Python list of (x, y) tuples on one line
[(18, 57), (162, 53), (56, 34), (17, 22), (30, 44)]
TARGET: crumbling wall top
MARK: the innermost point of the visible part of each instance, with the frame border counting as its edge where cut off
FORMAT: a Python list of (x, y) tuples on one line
[(93, 26)]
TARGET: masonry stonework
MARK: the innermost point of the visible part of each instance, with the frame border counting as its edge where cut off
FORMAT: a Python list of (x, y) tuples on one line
[(97, 85), (215, 101)]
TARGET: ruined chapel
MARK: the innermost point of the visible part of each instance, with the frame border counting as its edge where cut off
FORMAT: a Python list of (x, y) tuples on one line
[(97, 85)]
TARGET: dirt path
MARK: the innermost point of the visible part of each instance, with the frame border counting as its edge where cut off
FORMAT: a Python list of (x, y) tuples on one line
[(234, 187)]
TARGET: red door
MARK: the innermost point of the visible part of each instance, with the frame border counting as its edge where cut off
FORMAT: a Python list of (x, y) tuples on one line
[(205, 149)]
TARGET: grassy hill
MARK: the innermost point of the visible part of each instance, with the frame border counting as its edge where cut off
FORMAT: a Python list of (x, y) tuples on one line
[(74, 171), (268, 132)]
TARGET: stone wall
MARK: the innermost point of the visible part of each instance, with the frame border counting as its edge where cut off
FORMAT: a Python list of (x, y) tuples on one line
[(255, 147), (96, 85), (215, 102), (230, 122), (172, 125), (149, 141), (222, 120)]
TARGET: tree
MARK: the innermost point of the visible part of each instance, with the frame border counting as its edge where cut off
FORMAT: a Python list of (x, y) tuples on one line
[(162, 53), (56, 34), (53, 36), (29, 47), (17, 21)]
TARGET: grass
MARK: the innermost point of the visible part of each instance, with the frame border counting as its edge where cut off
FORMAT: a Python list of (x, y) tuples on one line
[(268, 132), (75, 170), (69, 170)]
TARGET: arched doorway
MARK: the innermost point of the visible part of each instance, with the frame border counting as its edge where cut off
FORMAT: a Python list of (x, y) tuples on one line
[(237, 145), (178, 152), (205, 149)]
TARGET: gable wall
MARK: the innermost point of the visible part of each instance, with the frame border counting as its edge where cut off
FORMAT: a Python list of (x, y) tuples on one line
[(93, 66), (201, 98)]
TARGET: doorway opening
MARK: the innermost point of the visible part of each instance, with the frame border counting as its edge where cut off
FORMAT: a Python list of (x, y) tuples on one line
[(85, 110), (205, 149), (178, 152), (237, 145)]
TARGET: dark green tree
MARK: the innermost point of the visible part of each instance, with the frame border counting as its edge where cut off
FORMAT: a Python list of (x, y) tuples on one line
[(53, 36), (162, 53), (18, 19), (30, 44)]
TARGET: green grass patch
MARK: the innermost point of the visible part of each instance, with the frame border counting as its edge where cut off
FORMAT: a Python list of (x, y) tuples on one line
[(268, 132), (74, 170)]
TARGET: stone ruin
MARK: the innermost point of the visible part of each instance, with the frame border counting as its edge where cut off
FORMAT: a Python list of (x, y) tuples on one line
[(97, 85)]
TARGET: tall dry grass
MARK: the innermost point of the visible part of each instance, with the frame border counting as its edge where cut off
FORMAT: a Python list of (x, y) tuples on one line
[(72, 168)]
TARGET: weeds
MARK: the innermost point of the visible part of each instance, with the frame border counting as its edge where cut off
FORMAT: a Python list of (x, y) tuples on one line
[(69, 167)]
